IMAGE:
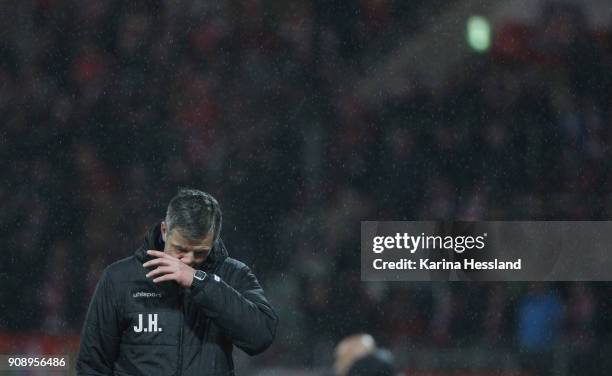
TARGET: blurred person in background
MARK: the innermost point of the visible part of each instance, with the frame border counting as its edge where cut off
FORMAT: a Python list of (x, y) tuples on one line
[(540, 313), (179, 305), (358, 355), (379, 362), (350, 349)]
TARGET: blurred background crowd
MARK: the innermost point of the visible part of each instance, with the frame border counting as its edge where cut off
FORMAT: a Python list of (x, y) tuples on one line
[(108, 107)]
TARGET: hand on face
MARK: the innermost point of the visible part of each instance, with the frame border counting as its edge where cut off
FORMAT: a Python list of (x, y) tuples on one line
[(169, 268), (192, 252)]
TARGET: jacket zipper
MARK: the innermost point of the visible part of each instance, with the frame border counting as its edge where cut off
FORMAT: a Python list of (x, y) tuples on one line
[(180, 339), (211, 272)]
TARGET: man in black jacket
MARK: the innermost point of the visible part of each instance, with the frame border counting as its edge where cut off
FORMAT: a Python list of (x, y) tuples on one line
[(179, 304)]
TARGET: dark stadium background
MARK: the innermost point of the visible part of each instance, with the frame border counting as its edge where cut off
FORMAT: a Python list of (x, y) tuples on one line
[(303, 118)]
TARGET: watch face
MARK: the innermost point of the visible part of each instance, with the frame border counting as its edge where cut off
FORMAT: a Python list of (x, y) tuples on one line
[(199, 275)]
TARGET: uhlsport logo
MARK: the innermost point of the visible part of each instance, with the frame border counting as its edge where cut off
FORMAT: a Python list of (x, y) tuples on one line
[(152, 324), (146, 294)]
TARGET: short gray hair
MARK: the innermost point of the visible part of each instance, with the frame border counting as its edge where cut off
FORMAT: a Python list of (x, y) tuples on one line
[(195, 213)]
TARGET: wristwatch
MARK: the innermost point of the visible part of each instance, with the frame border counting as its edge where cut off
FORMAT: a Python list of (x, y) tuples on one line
[(198, 277)]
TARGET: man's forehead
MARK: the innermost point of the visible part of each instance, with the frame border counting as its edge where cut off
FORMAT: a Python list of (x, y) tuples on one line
[(179, 239)]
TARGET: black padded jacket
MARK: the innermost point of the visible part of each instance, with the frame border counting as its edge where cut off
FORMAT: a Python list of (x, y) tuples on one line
[(136, 327)]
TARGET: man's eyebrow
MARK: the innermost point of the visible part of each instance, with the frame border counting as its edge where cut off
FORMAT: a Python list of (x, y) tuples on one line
[(196, 249), (177, 246)]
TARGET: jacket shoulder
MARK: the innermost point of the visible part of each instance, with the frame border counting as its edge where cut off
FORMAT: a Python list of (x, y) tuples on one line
[(232, 263), (232, 270), (122, 268)]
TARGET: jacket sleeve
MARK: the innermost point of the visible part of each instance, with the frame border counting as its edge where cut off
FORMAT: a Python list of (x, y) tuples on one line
[(100, 336), (241, 311)]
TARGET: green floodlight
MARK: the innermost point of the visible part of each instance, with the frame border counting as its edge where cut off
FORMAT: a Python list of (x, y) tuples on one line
[(478, 33)]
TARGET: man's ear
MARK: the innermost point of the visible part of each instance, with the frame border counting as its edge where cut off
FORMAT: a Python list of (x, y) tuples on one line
[(164, 231)]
